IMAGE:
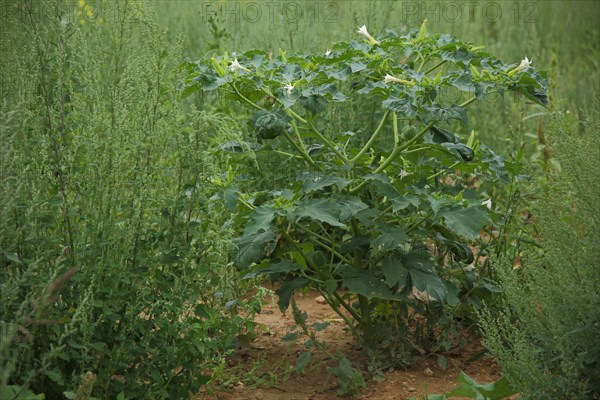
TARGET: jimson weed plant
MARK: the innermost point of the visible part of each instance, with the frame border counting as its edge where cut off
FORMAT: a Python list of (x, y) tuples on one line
[(390, 215)]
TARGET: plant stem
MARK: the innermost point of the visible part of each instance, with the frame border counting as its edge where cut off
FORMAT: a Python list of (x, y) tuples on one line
[(247, 205), (338, 311), (297, 133), (395, 127), (329, 144), (286, 154), (370, 142), (398, 149), (241, 96), (435, 66), (441, 171), (395, 152), (354, 314), (419, 222), (329, 249), (302, 152), (363, 301), (304, 256)]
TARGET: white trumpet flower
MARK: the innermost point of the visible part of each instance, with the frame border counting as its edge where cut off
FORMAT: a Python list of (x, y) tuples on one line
[(235, 65), (289, 87), (363, 31), (525, 63), (487, 203), (389, 78)]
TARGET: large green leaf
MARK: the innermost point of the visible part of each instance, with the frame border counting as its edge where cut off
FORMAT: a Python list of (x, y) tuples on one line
[(470, 388), (440, 135), (394, 272), (323, 210), (269, 124), (423, 275), (463, 82), (533, 85), (20, 393), (404, 106), (403, 201), (382, 184), (461, 151), (229, 196), (436, 112), (350, 206), (261, 219), (286, 291), (363, 283), (466, 222), (210, 81), (389, 239), (250, 248), (314, 182)]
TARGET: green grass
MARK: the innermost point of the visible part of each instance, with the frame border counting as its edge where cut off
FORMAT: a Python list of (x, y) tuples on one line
[(104, 168)]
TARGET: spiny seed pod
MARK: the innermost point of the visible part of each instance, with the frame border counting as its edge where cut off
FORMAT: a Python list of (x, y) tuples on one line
[(443, 136), (269, 124), (466, 153)]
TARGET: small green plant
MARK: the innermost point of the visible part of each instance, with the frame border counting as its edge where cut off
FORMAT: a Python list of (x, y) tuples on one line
[(381, 215), (350, 380), (471, 389)]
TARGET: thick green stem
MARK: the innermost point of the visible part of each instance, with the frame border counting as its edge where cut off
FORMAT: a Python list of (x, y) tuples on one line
[(325, 141), (329, 144), (302, 152), (442, 171), (246, 100), (435, 66), (395, 127), (395, 152), (354, 314), (322, 276), (399, 149), (329, 249), (300, 142), (367, 322), (369, 143), (337, 309), (293, 114), (365, 315), (419, 222), (246, 204)]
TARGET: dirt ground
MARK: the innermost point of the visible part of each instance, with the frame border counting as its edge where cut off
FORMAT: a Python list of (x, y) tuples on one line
[(267, 359)]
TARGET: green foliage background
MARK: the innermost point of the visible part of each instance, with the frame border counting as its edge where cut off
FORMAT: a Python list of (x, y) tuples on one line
[(104, 168), (545, 332)]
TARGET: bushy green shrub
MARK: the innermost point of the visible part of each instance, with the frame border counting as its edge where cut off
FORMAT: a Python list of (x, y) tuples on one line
[(545, 336), (113, 264), (388, 215)]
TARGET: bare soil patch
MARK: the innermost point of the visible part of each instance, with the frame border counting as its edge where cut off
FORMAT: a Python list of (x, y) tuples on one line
[(270, 360)]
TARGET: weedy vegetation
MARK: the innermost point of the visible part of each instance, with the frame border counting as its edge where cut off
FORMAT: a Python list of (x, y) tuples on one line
[(160, 164)]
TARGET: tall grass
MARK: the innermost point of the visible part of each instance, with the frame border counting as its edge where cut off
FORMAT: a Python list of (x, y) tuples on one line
[(545, 334), (114, 273)]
